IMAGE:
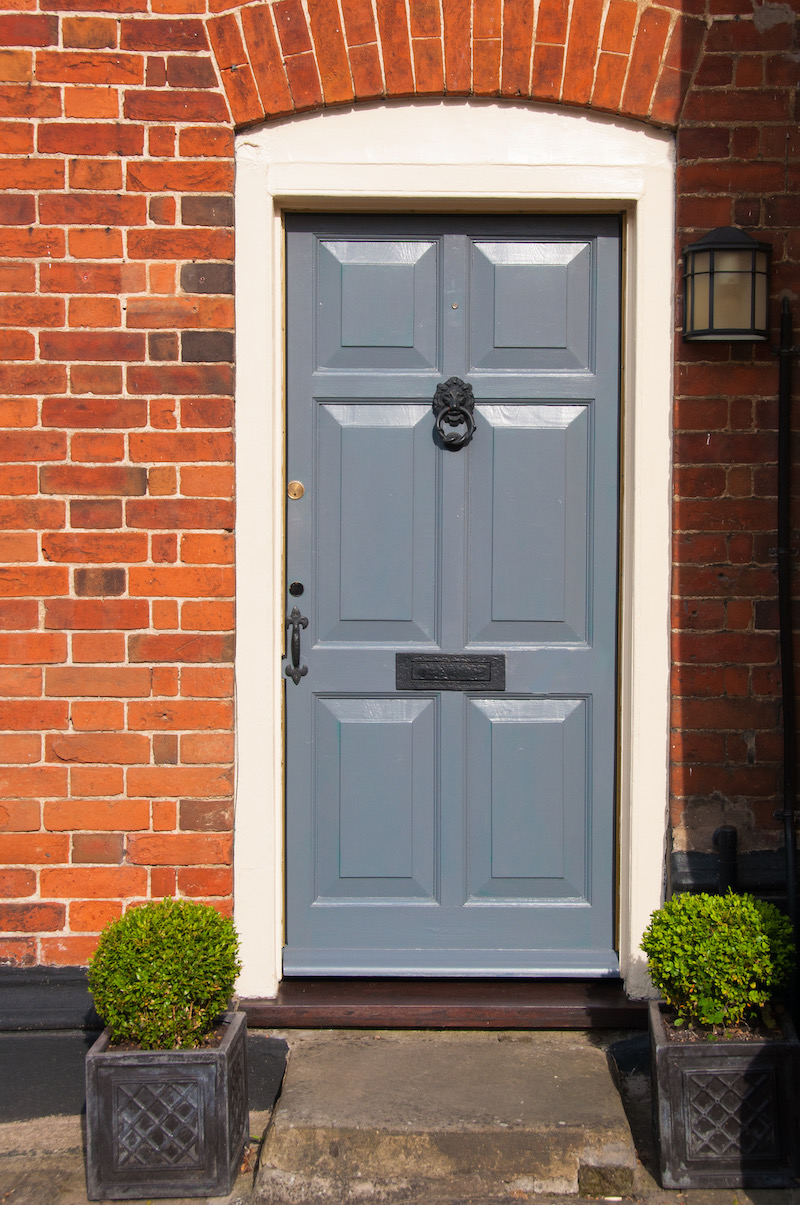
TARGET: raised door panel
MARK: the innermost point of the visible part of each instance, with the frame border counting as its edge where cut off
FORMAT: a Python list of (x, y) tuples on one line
[(375, 814), (529, 802), (376, 509), (531, 306), (377, 304), (529, 524)]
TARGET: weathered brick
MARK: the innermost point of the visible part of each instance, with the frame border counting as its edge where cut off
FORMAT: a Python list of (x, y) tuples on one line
[(96, 682), (101, 647), (94, 412), (181, 176), (95, 546), (95, 378), (207, 140), (517, 48), (266, 62), (207, 211), (71, 815), (102, 747), (90, 138), (173, 105), (207, 278), (16, 883), (337, 85), (190, 71), (163, 34), (37, 580), (198, 882), (187, 713), (180, 648), (158, 781), (36, 648), (20, 748), (184, 378), (198, 347), (60, 66), (201, 748), (36, 781), (67, 882), (180, 581), (31, 918), (175, 513), (36, 446), (89, 32), (107, 514), (394, 34), (91, 916), (179, 849), (75, 479), (28, 29), (92, 278)]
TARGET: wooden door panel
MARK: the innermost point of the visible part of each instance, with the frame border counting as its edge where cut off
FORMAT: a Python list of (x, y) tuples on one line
[(529, 521), (375, 810), (375, 493), (529, 802), (531, 306), (377, 304)]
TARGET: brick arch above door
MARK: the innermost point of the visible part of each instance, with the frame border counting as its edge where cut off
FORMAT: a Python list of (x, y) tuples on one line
[(613, 56)]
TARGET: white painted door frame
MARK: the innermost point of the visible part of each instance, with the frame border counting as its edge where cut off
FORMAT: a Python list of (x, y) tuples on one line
[(451, 156)]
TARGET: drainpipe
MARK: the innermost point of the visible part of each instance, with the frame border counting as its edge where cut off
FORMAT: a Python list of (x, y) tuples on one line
[(725, 842), (786, 353)]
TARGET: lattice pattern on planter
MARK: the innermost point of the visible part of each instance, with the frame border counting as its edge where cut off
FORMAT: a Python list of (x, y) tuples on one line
[(730, 1113), (158, 1125), (237, 1100)]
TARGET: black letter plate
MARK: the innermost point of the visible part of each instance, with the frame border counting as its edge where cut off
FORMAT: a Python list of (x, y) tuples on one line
[(457, 671)]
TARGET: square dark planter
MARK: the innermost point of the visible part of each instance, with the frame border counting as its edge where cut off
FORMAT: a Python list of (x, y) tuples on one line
[(725, 1112), (166, 1123)]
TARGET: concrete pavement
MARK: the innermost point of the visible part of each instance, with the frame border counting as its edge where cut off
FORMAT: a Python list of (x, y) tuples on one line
[(427, 1118)]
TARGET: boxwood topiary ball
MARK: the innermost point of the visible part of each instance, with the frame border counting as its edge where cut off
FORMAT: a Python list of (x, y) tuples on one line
[(163, 973), (718, 959)]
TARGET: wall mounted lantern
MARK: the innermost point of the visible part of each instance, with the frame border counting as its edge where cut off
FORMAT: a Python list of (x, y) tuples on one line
[(726, 287)]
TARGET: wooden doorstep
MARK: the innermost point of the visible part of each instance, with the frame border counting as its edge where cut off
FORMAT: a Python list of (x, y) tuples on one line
[(447, 1004)]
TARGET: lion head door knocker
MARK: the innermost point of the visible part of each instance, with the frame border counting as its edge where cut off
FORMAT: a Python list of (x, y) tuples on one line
[(453, 404)]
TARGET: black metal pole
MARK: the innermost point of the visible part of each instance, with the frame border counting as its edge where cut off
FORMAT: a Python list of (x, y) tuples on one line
[(785, 357), (725, 842)]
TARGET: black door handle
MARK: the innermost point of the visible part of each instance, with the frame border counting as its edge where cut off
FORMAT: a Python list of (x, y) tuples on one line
[(296, 621)]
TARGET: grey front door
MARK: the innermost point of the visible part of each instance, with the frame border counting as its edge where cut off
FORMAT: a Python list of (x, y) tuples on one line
[(470, 829)]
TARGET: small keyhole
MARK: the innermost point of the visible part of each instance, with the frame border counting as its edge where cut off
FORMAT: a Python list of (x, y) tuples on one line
[(296, 589)]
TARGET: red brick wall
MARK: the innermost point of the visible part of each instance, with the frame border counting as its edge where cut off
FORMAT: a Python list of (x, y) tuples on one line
[(116, 375), (739, 164)]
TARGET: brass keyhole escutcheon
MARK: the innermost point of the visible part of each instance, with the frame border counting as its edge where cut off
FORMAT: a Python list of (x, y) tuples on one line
[(295, 490)]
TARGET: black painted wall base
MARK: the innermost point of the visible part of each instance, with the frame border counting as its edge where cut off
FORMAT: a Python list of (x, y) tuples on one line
[(761, 872), (46, 998)]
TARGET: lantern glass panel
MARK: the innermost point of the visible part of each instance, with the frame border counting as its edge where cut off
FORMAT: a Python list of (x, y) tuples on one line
[(699, 294), (732, 300), (761, 306)]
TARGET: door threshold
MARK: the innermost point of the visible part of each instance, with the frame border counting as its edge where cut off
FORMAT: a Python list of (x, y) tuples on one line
[(447, 1004)]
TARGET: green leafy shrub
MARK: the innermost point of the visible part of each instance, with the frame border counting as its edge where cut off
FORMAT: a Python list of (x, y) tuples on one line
[(718, 959), (163, 973)]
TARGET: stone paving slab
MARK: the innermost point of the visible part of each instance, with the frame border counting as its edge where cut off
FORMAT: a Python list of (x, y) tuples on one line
[(396, 1116)]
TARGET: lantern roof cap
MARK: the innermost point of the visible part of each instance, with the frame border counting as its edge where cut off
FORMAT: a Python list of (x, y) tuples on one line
[(729, 238)]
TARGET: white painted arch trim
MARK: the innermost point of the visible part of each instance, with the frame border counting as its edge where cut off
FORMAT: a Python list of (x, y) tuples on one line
[(451, 155)]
